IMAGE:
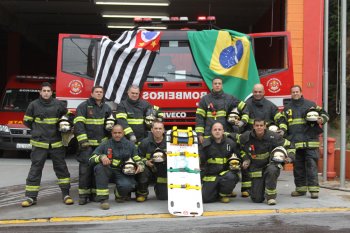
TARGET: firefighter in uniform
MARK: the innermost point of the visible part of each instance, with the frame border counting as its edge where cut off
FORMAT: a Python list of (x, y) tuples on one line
[(215, 107), (218, 179), (305, 135), (90, 132), (42, 116), (259, 107), (257, 146), (117, 159), (153, 152), (131, 115)]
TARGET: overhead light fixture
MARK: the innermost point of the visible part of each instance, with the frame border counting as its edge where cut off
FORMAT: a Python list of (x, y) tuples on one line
[(132, 26), (132, 16), (130, 3)]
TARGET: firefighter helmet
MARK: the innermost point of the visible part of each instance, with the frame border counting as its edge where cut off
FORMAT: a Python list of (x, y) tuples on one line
[(64, 125), (129, 167), (279, 154), (158, 156), (234, 116), (110, 122), (273, 128), (234, 162), (312, 115), (151, 115)]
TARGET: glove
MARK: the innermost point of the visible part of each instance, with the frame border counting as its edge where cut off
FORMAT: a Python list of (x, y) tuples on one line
[(84, 145), (133, 139), (245, 164), (288, 160), (140, 167), (280, 132), (239, 123)]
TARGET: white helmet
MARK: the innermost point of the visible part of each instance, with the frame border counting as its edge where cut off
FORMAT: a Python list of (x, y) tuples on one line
[(129, 167), (64, 125), (279, 154), (233, 116), (158, 156), (273, 128), (110, 122), (234, 162), (312, 115)]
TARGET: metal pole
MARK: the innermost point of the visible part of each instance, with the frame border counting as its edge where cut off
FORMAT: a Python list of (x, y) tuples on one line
[(325, 88), (343, 95)]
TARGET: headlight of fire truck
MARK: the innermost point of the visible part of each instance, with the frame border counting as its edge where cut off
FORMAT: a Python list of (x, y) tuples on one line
[(4, 129)]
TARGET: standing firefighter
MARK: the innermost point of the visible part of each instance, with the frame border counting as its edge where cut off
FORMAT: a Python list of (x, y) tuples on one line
[(116, 159), (90, 132), (218, 155), (153, 152), (215, 107), (131, 114), (304, 118), (41, 117), (264, 169), (261, 108)]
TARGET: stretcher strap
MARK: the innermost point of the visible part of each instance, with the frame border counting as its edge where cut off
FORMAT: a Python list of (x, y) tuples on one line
[(184, 186), (185, 169), (185, 153)]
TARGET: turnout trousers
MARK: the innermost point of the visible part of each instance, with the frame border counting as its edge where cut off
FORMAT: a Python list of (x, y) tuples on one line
[(87, 187)]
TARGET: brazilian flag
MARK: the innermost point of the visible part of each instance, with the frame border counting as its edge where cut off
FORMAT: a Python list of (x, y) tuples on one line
[(227, 54)]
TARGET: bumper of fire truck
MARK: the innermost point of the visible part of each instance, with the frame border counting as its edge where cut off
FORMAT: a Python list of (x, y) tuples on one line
[(16, 139)]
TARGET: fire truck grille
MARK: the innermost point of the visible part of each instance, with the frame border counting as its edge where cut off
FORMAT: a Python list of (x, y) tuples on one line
[(20, 131), (21, 140)]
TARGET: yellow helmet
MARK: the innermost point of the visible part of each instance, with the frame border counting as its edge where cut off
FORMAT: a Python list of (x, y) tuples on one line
[(234, 162)]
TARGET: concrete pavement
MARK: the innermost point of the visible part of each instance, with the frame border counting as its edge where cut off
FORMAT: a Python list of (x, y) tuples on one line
[(51, 209)]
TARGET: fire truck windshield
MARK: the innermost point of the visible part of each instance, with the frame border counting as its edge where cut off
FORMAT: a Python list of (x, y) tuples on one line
[(17, 100), (174, 63)]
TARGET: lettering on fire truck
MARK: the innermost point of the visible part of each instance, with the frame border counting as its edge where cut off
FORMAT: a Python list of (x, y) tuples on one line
[(174, 115), (14, 122), (172, 95)]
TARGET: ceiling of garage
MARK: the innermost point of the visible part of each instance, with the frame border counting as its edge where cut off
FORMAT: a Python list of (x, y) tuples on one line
[(42, 20)]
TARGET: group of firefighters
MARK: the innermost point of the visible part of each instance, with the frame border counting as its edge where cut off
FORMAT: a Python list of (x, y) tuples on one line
[(248, 141)]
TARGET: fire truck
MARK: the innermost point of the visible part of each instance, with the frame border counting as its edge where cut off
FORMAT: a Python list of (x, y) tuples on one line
[(20, 90), (177, 97)]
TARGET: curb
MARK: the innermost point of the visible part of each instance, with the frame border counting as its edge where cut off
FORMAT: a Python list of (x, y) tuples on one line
[(160, 216)]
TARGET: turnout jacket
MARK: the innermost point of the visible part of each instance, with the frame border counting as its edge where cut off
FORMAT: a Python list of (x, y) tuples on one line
[(122, 151), (266, 110), (214, 156), (258, 150), (89, 122), (148, 146), (131, 115), (41, 117), (302, 133), (215, 107)]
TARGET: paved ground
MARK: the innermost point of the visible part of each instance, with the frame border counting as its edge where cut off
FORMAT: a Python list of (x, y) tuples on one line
[(51, 208)]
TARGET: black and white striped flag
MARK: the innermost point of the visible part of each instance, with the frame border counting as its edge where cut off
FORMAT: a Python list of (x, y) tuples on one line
[(126, 61)]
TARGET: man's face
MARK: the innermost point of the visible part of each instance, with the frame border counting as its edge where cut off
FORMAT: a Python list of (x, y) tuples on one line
[(46, 93), (217, 85), (217, 131), (258, 92), (259, 127), (296, 93), (97, 94), (157, 130), (134, 93), (117, 133)]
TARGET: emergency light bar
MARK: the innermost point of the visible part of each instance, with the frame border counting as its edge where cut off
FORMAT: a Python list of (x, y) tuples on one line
[(206, 19), (173, 20)]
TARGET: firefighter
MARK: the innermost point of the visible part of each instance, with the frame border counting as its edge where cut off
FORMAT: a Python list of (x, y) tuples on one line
[(131, 115), (257, 146), (90, 132), (153, 152), (304, 133), (215, 107), (41, 117), (259, 107), (218, 179), (115, 159)]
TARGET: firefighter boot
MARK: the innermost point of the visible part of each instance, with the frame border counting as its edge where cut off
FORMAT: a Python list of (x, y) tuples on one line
[(297, 194), (141, 198), (104, 205), (314, 195), (225, 199), (68, 200), (245, 194), (28, 202), (271, 202), (83, 200)]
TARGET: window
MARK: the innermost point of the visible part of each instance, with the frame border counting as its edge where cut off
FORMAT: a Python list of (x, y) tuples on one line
[(17, 100)]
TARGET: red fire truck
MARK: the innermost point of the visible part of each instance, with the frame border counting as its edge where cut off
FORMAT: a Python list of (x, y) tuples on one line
[(20, 90), (177, 97)]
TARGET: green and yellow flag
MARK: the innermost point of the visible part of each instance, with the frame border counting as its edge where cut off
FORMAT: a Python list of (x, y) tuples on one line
[(226, 54)]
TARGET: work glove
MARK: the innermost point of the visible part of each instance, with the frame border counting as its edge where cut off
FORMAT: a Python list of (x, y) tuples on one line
[(240, 123), (84, 145), (140, 167), (133, 139)]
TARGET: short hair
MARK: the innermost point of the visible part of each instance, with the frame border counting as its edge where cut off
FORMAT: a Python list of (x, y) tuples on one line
[(118, 125), (217, 78), (134, 86), (96, 87), (298, 86), (259, 120), (46, 84), (156, 121), (217, 122)]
